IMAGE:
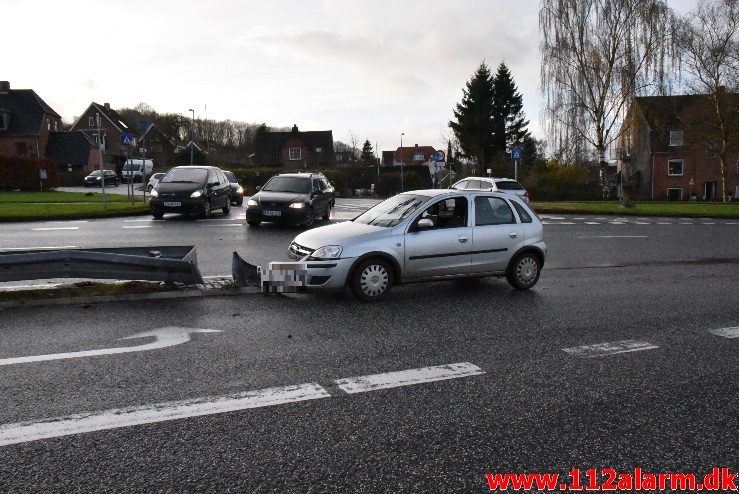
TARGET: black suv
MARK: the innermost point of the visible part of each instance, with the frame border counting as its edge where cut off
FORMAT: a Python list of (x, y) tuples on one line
[(191, 189), (294, 198)]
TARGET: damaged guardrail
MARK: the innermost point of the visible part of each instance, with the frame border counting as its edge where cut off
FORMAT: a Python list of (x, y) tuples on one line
[(167, 263)]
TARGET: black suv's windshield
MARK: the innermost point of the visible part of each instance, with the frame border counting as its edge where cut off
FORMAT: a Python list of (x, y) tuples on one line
[(185, 175), (391, 212), (299, 185)]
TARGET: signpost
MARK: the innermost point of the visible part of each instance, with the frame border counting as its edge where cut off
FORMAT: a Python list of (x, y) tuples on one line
[(516, 157)]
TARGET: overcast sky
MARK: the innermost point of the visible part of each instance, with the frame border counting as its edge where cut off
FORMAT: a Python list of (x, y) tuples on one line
[(372, 68)]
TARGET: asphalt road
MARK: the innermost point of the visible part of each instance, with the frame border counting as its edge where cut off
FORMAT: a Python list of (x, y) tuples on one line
[(666, 404)]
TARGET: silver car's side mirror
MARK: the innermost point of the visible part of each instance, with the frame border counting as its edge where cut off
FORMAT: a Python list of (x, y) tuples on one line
[(425, 223)]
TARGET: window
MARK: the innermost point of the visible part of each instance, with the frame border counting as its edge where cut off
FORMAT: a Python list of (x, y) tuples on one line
[(675, 194), (475, 185), (447, 213), (418, 157), (4, 120), (522, 213), (95, 139), (675, 168), (295, 154), (48, 124), (676, 138), (91, 121), (492, 211), (463, 184), (318, 150)]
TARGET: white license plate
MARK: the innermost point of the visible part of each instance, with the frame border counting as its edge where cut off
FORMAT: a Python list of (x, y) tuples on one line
[(172, 204), (272, 213)]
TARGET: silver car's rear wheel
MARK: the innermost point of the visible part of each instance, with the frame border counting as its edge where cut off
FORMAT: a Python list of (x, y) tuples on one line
[(372, 280), (524, 271)]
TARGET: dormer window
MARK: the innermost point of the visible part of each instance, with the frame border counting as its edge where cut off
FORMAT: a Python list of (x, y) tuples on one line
[(418, 157), (4, 120), (676, 138)]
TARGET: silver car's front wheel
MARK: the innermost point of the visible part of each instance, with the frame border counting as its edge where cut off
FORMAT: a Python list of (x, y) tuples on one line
[(524, 271), (372, 280)]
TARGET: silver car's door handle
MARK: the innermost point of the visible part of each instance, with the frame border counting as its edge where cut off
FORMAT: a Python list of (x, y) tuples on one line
[(513, 235), (463, 238)]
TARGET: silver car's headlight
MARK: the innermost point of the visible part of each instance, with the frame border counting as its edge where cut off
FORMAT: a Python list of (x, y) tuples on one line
[(240, 190), (196, 194), (154, 193), (297, 205), (327, 252), (252, 202)]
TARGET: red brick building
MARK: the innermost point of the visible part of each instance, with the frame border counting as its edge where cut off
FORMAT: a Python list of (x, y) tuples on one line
[(295, 149), (112, 127), (25, 122), (666, 152)]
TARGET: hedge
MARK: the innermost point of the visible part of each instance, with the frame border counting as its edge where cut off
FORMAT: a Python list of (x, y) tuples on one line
[(22, 173)]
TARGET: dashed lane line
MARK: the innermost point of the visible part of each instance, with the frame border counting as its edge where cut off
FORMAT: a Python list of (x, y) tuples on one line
[(23, 432), (726, 332), (612, 348), (55, 228)]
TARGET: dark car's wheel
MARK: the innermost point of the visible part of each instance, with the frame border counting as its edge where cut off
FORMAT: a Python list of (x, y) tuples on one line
[(311, 218), (158, 214), (328, 212), (205, 211), (227, 208), (372, 280), (253, 222), (523, 272), (240, 201)]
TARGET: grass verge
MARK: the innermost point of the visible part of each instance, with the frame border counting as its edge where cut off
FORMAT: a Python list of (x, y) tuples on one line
[(683, 209), (53, 196), (50, 205)]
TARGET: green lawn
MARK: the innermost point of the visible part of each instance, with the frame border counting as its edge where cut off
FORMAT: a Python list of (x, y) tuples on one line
[(688, 209), (61, 197), (19, 206)]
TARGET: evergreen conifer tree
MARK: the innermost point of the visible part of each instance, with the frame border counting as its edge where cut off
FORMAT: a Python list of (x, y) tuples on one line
[(474, 124)]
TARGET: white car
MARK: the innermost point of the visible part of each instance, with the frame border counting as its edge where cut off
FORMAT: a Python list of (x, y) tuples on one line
[(423, 235), (154, 180), (495, 184)]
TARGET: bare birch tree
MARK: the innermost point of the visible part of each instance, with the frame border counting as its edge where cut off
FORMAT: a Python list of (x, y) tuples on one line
[(709, 43), (596, 56)]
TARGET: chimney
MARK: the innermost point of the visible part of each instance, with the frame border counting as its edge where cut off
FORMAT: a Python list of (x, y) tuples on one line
[(416, 145), (295, 128), (4, 87), (107, 107)]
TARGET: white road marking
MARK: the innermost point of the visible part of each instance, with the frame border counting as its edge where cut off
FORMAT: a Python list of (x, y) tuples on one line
[(664, 223), (566, 223), (217, 219), (224, 224), (136, 226), (552, 217), (615, 236), (165, 337), (726, 332), (14, 249), (592, 223), (732, 223), (373, 382), (617, 223), (64, 222), (55, 228), (641, 223), (602, 349), (708, 223), (23, 432), (578, 219), (138, 220)]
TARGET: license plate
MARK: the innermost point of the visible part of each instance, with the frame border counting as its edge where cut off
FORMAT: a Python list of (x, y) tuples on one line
[(272, 213), (172, 204)]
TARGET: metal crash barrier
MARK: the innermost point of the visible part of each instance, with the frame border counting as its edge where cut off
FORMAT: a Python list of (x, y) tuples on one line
[(168, 264)]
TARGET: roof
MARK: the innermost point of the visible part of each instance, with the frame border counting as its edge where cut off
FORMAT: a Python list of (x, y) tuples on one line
[(69, 148), (110, 114), (668, 111), (405, 154), (27, 111), (268, 149)]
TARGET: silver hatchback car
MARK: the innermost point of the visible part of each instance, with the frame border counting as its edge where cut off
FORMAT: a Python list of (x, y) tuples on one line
[(423, 235)]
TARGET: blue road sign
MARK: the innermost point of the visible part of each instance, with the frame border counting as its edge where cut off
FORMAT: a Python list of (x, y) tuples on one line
[(516, 153), (127, 139), (438, 156)]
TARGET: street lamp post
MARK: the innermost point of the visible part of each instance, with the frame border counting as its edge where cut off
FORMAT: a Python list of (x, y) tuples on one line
[(192, 142), (401, 161)]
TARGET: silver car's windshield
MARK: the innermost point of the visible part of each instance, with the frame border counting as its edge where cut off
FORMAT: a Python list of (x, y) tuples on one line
[(391, 212)]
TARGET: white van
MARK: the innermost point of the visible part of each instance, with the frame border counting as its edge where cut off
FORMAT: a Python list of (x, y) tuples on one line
[(137, 168)]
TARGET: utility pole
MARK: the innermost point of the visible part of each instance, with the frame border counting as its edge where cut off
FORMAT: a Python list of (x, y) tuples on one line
[(401, 161), (100, 155), (192, 135)]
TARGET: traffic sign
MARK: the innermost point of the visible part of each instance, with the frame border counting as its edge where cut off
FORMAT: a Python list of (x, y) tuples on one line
[(128, 139), (438, 156), (516, 153)]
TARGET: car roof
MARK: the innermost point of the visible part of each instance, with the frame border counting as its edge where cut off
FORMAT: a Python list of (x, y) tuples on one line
[(298, 174), (441, 192), (488, 179)]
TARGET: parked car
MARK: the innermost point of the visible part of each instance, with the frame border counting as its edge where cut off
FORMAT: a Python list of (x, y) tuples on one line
[(507, 185), (153, 181), (424, 235), (294, 198), (95, 179), (237, 192), (191, 189)]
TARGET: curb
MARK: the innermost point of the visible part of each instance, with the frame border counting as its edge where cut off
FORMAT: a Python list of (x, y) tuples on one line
[(127, 297)]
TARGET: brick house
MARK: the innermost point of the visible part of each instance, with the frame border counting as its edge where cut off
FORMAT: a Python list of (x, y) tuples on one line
[(413, 156), (295, 149), (665, 153), (112, 127), (25, 122), (74, 153), (159, 147)]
